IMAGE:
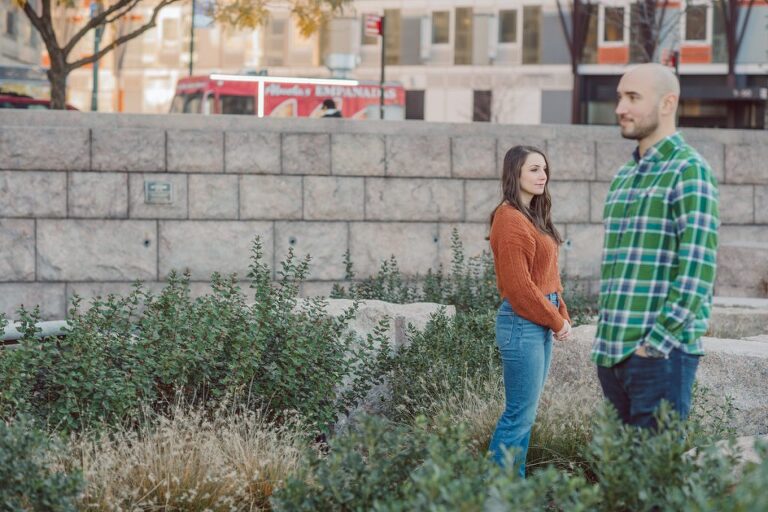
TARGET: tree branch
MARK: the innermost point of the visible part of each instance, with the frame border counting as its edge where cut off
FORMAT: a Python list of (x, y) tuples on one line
[(122, 39), (121, 14), (46, 20), (36, 20), (95, 22), (561, 15), (744, 26)]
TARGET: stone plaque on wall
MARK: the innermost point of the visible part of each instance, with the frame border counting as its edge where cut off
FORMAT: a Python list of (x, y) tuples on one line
[(158, 192)]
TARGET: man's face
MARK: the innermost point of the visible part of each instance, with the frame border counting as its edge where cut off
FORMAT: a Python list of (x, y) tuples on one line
[(638, 107)]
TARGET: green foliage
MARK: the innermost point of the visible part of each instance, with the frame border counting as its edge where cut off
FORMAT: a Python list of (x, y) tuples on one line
[(365, 467), (644, 470), (748, 495), (439, 360), (470, 285), (125, 355), (27, 480), (548, 489), (452, 477)]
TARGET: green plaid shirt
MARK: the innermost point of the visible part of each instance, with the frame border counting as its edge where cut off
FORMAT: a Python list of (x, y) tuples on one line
[(659, 254)]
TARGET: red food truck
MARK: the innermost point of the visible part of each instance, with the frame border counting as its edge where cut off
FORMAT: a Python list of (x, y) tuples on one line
[(274, 96)]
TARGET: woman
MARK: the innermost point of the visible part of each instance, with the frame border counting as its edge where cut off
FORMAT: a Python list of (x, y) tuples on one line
[(525, 248)]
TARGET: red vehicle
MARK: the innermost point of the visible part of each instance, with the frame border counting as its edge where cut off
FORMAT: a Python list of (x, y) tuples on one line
[(22, 101), (273, 96)]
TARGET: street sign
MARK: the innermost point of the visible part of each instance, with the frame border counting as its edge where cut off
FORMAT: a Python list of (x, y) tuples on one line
[(372, 25)]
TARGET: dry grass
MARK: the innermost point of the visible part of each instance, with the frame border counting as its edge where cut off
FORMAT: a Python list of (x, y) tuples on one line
[(189, 463), (563, 423)]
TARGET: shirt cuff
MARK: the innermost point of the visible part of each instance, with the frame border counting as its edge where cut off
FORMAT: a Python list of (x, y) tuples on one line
[(661, 339)]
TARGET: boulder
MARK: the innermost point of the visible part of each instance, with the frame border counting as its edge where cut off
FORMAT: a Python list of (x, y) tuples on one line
[(398, 317), (731, 368)]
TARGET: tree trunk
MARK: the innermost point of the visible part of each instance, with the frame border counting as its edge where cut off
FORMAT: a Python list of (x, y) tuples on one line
[(576, 96), (57, 76)]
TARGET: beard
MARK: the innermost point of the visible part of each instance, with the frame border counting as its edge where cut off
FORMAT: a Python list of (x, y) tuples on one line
[(640, 129)]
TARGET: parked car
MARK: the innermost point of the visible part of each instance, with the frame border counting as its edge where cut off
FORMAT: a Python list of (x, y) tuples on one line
[(16, 100)]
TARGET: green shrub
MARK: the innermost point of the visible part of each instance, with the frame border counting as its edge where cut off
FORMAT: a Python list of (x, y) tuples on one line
[(454, 475), (365, 467), (749, 494), (27, 480), (549, 489), (470, 285), (439, 360), (128, 354), (641, 470)]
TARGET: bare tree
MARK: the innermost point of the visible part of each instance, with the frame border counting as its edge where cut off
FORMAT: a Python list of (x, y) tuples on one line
[(576, 38), (734, 35), (60, 43)]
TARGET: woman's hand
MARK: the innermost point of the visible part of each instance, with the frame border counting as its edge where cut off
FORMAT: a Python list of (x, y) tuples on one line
[(564, 334)]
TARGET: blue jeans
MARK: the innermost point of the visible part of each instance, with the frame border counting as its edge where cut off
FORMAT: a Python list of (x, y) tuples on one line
[(526, 351), (637, 385)]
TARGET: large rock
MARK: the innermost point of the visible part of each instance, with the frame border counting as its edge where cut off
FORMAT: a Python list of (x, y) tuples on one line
[(398, 317), (738, 318), (744, 449), (731, 368)]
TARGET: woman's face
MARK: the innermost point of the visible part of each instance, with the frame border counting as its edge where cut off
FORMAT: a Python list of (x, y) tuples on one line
[(533, 177)]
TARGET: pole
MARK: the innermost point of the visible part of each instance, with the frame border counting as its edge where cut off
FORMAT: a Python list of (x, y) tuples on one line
[(192, 40), (383, 59), (98, 31)]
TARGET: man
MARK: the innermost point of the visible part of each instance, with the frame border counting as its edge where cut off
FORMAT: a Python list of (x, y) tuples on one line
[(329, 109), (659, 256)]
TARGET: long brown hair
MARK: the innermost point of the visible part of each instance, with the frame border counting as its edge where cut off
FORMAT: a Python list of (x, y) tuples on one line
[(539, 212)]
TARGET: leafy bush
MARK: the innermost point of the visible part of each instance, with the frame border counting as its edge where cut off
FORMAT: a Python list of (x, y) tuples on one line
[(454, 475), (126, 354), (27, 479), (439, 360), (642, 470), (365, 467), (470, 285)]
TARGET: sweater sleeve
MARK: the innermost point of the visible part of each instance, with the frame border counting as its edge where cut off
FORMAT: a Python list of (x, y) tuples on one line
[(563, 309), (515, 252)]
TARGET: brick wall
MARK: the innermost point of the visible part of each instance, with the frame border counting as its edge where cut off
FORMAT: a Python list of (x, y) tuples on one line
[(73, 218)]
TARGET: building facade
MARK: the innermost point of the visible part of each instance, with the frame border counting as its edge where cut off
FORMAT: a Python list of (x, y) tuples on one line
[(502, 61), (20, 45)]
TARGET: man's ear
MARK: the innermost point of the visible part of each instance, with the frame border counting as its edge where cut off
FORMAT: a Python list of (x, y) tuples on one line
[(669, 104)]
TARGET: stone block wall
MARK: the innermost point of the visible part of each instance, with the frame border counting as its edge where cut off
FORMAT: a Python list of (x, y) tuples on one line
[(73, 215)]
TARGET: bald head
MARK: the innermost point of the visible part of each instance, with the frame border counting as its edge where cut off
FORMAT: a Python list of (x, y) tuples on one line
[(661, 78), (648, 95)]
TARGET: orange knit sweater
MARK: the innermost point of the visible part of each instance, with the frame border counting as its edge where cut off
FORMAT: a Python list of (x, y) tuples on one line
[(526, 268)]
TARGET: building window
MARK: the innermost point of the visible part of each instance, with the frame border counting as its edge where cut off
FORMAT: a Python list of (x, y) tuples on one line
[(508, 26), (10, 24), (613, 26), (170, 29), (414, 104), (531, 34), (274, 47), (481, 106), (392, 34), (462, 51), (696, 23), (441, 27)]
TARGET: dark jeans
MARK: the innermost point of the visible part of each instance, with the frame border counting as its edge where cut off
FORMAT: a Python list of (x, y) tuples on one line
[(637, 385)]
